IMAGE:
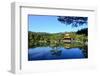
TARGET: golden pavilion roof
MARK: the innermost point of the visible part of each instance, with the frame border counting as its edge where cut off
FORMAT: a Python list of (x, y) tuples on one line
[(67, 36)]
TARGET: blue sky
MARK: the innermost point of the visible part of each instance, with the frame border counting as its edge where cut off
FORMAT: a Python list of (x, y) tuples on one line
[(49, 24)]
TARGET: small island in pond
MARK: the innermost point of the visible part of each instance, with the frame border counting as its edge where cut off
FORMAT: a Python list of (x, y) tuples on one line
[(57, 37)]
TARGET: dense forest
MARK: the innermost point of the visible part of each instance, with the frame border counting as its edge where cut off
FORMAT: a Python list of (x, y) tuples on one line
[(36, 39)]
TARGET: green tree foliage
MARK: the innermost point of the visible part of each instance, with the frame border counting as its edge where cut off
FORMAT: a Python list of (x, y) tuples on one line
[(83, 31), (42, 38), (73, 20), (36, 39)]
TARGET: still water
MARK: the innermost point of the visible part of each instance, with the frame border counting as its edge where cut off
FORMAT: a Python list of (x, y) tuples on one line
[(49, 53)]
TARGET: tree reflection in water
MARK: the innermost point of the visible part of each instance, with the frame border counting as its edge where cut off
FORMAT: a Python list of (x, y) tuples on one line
[(85, 50), (56, 51)]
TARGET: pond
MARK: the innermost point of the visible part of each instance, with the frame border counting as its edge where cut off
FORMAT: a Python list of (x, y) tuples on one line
[(54, 53)]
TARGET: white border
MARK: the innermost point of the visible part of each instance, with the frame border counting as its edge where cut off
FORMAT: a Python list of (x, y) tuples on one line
[(19, 36)]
